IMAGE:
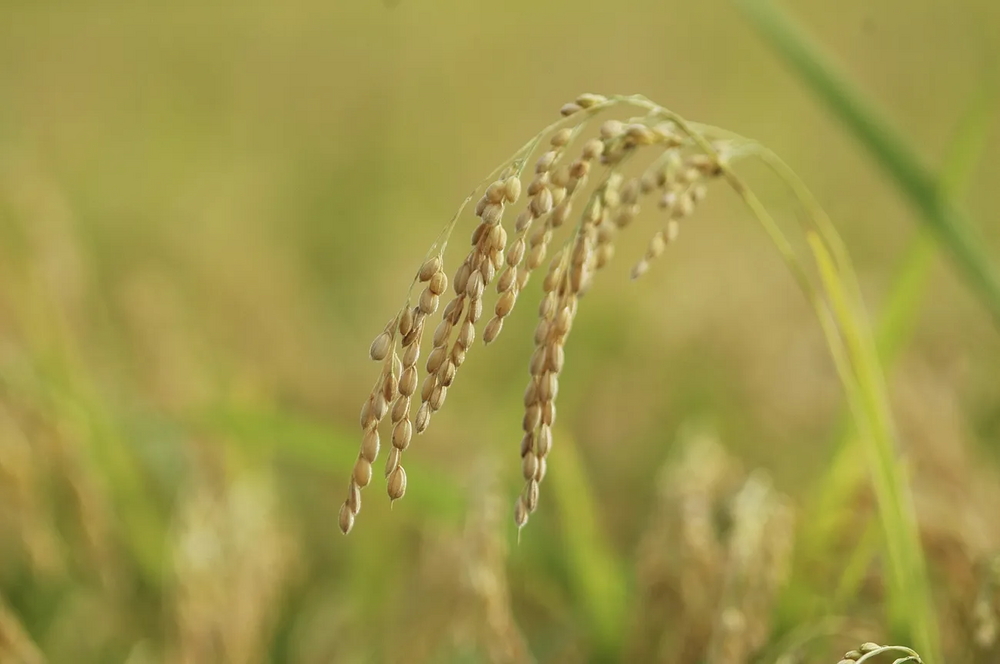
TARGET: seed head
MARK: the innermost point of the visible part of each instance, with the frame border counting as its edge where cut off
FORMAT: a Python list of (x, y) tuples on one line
[(677, 176)]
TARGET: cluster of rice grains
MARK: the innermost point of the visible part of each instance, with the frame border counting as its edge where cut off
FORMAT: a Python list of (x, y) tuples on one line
[(680, 165), (871, 651)]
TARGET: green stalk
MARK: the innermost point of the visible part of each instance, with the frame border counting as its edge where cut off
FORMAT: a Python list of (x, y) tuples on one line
[(949, 225)]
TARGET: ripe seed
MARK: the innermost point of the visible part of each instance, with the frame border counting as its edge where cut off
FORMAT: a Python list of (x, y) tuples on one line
[(447, 373), (405, 321), (524, 219), (564, 321), (540, 473), (540, 182), (354, 496), (543, 441), (640, 134), (397, 483), (430, 267), (516, 253), (401, 434), (346, 519), (428, 302), (512, 189), (611, 129), (438, 284), (368, 413), (593, 149), (545, 161), (389, 385), (466, 335), (408, 382), (437, 397), (520, 513), (548, 387), (529, 466), (507, 279), (495, 192), (428, 387), (462, 278), (536, 256), (379, 407), (453, 312), (542, 203), (488, 271), (492, 216), (370, 445), (418, 329), (542, 332), (441, 333), (380, 347), (362, 472), (589, 100), (532, 418), (505, 304), (392, 461), (549, 413), (527, 444), (400, 409), (531, 497), (561, 137), (531, 394), (423, 418), (436, 358), (475, 310), (539, 359), (569, 109), (557, 357), (476, 286), (458, 355), (492, 330)]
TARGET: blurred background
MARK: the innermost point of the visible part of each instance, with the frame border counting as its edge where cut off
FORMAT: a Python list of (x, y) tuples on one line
[(208, 210)]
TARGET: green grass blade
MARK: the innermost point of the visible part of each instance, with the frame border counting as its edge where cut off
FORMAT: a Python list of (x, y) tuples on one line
[(825, 522), (599, 582), (910, 602), (891, 151)]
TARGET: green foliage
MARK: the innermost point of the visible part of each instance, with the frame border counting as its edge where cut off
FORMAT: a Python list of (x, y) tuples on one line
[(936, 208)]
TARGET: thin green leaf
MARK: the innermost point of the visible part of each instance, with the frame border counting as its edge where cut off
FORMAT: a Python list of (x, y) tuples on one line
[(891, 151), (599, 581)]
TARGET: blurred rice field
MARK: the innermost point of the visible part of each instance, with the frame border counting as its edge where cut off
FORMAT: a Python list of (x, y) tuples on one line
[(208, 210)]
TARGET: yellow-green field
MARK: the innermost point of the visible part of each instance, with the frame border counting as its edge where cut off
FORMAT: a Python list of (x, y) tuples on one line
[(209, 210)]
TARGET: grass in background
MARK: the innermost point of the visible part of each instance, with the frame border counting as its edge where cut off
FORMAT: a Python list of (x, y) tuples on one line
[(935, 205), (400, 591)]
